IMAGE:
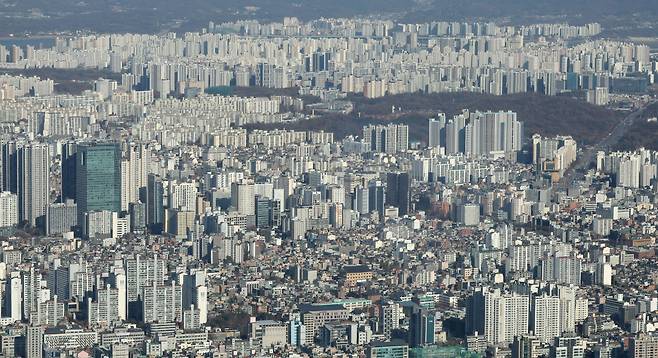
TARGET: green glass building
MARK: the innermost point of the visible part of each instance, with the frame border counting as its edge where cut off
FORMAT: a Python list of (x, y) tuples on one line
[(98, 177), (394, 349), (442, 352)]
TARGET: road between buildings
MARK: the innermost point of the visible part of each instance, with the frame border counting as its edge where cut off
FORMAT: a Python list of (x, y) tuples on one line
[(588, 155)]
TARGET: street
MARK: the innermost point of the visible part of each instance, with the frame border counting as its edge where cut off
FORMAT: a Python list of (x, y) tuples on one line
[(588, 155)]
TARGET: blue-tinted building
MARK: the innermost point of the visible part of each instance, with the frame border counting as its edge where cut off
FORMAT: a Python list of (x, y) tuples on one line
[(154, 204), (442, 352), (98, 176), (421, 327), (393, 349)]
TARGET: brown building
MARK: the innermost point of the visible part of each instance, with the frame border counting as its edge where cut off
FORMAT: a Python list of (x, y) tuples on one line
[(356, 273)]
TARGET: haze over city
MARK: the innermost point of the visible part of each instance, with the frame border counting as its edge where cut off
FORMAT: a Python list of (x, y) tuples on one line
[(362, 179)]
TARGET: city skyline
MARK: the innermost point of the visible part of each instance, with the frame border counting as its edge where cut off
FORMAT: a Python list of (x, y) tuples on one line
[(425, 179)]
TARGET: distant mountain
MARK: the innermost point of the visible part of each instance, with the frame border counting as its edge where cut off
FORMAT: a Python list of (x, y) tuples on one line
[(158, 15), (519, 9)]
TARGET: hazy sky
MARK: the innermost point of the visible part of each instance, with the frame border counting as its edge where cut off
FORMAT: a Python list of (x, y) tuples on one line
[(181, 15)]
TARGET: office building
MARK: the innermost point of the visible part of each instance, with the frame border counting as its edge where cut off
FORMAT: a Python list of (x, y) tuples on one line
[(422, 324), (468, 214), (69, 162), (269, 333), (263, 210), (9, 170), (377, 197), (33, 168), (98, 175), (393, 349), (437, 135), (315, 316), (398, 191), (242, 200), (137, 213), (155, 213), (526, 347)]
